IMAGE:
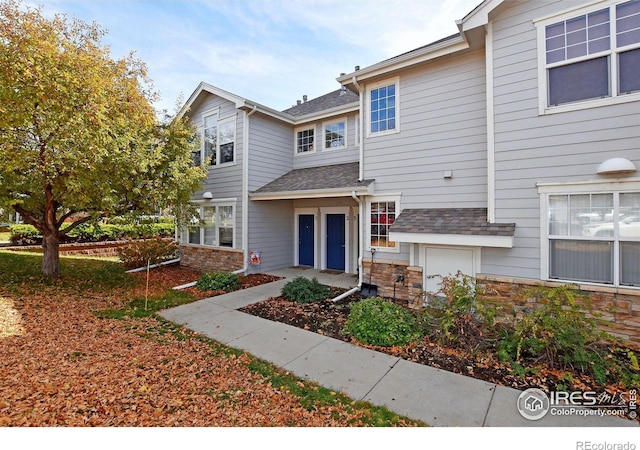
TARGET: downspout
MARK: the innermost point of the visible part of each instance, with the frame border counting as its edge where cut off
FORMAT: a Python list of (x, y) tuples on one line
[(491, 140), (360, 126), (360, 250), (245, 191)]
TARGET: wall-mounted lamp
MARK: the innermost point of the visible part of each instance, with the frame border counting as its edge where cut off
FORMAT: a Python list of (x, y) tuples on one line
[(207, 195), (615, 166)]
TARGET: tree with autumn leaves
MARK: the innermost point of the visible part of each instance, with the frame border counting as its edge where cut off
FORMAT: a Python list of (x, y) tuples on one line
[(79, 137)]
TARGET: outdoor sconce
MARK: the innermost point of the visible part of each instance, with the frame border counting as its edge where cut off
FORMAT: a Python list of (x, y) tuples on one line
[(616, 166), (207, 195)]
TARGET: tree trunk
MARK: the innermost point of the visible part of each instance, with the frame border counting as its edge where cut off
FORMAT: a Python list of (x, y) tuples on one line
[(51, 254)]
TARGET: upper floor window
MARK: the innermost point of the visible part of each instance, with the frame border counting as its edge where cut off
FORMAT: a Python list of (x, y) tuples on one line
[(218, 140), (595, 55), (335, 134), (304, 140), (383, 107)]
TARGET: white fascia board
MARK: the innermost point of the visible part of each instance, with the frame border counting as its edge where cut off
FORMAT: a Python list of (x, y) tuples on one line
[(479, 17), (417, 56), (240, 102), (316, 193), (452, 239)]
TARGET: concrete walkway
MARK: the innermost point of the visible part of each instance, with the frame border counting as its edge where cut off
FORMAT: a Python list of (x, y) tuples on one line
[(435, 396)]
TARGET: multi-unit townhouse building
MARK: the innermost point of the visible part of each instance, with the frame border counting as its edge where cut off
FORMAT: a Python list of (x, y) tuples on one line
[(507, 151)]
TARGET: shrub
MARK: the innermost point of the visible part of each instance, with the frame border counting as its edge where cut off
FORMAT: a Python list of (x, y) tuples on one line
[(154, 251), (380, 322), (304, 290), (24, 235), (28, 235), (225, 281), (457, 314), (564, 333)]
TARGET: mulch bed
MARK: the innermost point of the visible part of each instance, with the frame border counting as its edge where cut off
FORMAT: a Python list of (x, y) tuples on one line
[(328, 318)]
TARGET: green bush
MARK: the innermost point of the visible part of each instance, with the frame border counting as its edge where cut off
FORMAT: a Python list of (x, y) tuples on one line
[(153, 251), (28, 235), (304, 290), (380, 322), (457, 314), (564, 333), (225, 281)]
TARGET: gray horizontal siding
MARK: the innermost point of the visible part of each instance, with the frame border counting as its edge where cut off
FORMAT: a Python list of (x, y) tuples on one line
[(442, 115), (322, 157), (531, 148), (270, 154), (271, 233)]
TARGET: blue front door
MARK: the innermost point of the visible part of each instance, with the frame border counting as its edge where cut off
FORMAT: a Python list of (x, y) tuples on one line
[(335, 241), (305, 240)]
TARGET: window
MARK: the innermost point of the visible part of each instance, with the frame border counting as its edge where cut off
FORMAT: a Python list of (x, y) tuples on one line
[(594, 237), (304, 140), (219, 140), (382, 215), (592, 56), (214, 227), (383, 103), (335, 135)]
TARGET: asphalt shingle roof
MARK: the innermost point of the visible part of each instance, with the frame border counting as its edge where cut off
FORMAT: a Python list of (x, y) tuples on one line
[(327, 101), (468, 221), (315, 178)]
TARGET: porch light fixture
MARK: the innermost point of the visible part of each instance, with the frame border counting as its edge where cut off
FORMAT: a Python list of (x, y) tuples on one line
[(207, 195), (616, 166)]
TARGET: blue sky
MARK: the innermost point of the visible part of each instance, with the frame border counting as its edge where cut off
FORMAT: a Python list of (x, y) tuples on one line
[(269, 51)]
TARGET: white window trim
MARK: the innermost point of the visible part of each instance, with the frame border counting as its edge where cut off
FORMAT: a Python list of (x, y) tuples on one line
[(213, 203), (379, 84), (219, 121), (376, 199), (295, 139), (331, 122), (615, 98), (584, 187)]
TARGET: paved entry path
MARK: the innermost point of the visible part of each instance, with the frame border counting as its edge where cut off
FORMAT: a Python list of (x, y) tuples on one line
[(435, 396)]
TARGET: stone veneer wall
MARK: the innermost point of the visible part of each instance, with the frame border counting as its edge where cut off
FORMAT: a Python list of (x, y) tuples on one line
[(107, 248), (385, 274), (210, 259), (619, 307)]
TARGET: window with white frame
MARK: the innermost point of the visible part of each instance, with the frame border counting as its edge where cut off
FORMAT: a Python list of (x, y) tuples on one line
[(593, 55), (594, 237), (383, 107), (382, 214), (214, 227), (219, 138), (304, 140), (335, 134)]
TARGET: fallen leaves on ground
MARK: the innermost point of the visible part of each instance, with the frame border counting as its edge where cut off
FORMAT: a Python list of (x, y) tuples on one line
[(70, 368)]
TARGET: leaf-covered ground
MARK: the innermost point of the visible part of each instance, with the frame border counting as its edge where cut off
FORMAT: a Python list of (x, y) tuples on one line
[(63, 365)]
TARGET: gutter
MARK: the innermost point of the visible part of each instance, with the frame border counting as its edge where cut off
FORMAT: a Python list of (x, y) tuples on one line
[(164, 263)]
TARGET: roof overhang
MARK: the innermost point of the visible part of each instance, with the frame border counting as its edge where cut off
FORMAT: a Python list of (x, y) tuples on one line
[(452, 239), (315, 193), (240, 102)]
